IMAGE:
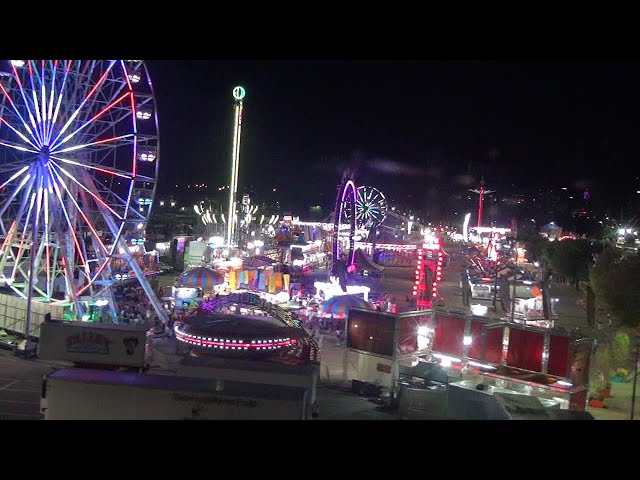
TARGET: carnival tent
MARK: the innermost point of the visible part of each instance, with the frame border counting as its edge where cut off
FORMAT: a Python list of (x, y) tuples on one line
[(201, 277), (341, 304)]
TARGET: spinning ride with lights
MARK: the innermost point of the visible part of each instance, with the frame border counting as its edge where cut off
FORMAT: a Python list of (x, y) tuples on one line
[(344, 224), (78, 168), (278, 335), (371, 208)]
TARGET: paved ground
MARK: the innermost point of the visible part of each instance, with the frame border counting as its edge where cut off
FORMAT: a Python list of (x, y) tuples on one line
[(20, 387)]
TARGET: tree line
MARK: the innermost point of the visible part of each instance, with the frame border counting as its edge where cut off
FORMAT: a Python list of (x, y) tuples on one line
[(613, 274)]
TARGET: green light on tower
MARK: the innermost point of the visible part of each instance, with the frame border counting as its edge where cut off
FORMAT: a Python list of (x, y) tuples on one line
[(239, 92)]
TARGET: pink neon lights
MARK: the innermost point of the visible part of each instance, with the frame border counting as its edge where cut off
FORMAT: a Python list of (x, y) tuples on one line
[(347, 185), (135, 130), (234, 344)]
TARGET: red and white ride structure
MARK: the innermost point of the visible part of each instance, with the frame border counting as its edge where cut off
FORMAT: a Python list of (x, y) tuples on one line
[(428, 273)]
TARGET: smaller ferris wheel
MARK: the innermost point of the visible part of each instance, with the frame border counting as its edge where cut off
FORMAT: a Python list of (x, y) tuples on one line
[(371, 207)]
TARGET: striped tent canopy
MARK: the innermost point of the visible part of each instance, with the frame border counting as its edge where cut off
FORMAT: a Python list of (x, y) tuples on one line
[(341, 304), (201, 277)]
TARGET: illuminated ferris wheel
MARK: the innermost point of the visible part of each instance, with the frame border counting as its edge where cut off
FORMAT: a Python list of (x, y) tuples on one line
[(78, 168), (371, 207)]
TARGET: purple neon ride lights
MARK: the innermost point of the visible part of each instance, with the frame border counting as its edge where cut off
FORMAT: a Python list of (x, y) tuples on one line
[(349, 184)]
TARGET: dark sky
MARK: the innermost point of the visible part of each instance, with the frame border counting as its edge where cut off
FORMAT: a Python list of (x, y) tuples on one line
[(409, 127)]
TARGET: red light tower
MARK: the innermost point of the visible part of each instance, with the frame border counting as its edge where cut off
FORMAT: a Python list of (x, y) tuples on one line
[(482, 193), (428, 272)]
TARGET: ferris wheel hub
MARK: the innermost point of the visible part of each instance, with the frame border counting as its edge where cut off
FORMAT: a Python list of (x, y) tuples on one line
[(44, 155)]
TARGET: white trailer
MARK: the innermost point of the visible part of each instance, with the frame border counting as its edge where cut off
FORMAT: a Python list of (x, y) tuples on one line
[(84, 394), (96, 343), (265, 373)]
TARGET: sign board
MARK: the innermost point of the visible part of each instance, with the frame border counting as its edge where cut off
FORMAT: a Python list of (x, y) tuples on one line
[(96, 343)]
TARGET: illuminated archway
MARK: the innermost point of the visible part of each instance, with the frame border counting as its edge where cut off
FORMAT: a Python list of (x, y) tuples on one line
[(347, 196)]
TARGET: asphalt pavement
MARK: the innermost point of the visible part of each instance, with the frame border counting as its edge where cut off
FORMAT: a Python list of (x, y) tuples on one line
[(20, 386)]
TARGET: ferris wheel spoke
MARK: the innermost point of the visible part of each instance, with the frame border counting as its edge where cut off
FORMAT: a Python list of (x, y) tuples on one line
[(14, 176), (110, 97), (79, 109), (17, 147), (110, 171), (33, 132), (24, 234), (99, 142), (57, 110), (18, 133), (127, 112), (36, 105), (86, 124), (43, 103), (95, 276), (75, 204), (28, 178), (96, 197), (52, 95), (72, 229)]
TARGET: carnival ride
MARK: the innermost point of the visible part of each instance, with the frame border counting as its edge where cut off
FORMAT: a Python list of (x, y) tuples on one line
[(428, 273), (79, 148), (371, 208), (278, 334), (345, 201)]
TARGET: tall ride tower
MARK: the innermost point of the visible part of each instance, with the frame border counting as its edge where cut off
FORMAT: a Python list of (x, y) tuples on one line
[(482, 192), (238, 95)]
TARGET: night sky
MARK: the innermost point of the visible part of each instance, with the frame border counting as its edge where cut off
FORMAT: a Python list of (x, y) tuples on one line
[(414, 129)]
